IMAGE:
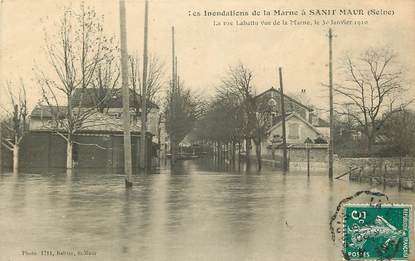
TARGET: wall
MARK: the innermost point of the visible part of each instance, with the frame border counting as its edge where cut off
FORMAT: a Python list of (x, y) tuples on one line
[(36, 123), (304, 132), (43, 150), (152, 121), (318, 157), (297, 156), (376, 166)]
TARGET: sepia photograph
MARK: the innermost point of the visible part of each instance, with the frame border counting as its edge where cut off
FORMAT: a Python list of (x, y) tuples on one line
[(207, 130)]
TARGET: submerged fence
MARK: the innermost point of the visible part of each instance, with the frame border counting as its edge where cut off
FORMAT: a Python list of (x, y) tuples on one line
[(399, 171)]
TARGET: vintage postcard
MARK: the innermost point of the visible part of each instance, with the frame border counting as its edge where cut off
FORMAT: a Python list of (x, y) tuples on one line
[(207, 130)]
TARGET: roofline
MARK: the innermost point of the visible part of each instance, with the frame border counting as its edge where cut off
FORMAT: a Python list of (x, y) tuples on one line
[(301, 118), (285, 96), (119, 89)]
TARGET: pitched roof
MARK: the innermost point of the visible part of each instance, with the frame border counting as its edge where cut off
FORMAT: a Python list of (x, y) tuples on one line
[(113, 98), (276, 125), (97, 122), (285, 96), (320, 121), (278, 118), (48, 111), (103, 122)]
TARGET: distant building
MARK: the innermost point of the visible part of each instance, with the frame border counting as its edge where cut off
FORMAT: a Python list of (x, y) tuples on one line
[(44, 115), (99, 142), (264, 103), (109, 110), (304, 129), (298, 130), (320, 124), (270, 101), (111, 105)]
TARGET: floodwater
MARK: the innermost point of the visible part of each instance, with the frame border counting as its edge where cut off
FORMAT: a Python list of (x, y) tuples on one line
[(185, 214)]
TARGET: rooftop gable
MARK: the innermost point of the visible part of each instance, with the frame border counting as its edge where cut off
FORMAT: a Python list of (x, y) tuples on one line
[(88, 97), (272, 89), (294, 115)]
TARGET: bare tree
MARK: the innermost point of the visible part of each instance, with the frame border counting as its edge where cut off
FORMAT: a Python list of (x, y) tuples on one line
[(15, 123), (155, 81), (105, 83), (76, 54), (183, 108), (369, 87), (400, 129), (262, 124), (238, 82)]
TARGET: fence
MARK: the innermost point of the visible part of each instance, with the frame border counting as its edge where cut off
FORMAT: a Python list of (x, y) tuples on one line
[(45, 150)]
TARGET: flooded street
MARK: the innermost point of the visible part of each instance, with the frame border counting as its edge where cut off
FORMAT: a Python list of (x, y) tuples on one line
[(186, 214)]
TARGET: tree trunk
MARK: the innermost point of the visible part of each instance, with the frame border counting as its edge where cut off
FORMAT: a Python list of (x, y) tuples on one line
[(233, 155), (1, 147), (258, 155), (225, 155), (239, 155), (219, 154), (172, 152), (69, 150), (16, 149), (370, 142), (248, 153), (215, 153), (369, 145)]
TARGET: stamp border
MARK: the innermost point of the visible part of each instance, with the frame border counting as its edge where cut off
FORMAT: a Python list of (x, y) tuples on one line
[(390, 205)]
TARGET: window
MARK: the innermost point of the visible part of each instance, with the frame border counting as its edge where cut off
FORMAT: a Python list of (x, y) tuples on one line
[(293, 131)]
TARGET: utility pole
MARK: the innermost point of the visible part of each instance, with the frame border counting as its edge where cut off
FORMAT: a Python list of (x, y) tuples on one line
[(125, 98), (172, 100), (331, 143), (308, 160), (178, 86), (143, 157), (1, 77), (284, 138), (177, 78), (1, 147)]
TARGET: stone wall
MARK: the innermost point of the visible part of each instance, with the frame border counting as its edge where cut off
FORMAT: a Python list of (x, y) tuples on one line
[(376, 167)]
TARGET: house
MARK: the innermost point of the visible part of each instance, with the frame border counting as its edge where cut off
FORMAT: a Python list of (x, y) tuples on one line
[(109, 101), (99, 139), (320, 124), (43, 115), (298, 130), (304, 129), (270, 101)]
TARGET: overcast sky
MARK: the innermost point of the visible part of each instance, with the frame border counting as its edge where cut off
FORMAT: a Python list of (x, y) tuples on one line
[(205, 51)]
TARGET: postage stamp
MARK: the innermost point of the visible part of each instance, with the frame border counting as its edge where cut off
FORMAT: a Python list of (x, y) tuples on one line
[(376, 232)]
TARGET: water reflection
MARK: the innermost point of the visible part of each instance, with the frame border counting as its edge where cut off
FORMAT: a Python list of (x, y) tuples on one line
[(189, 212)]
